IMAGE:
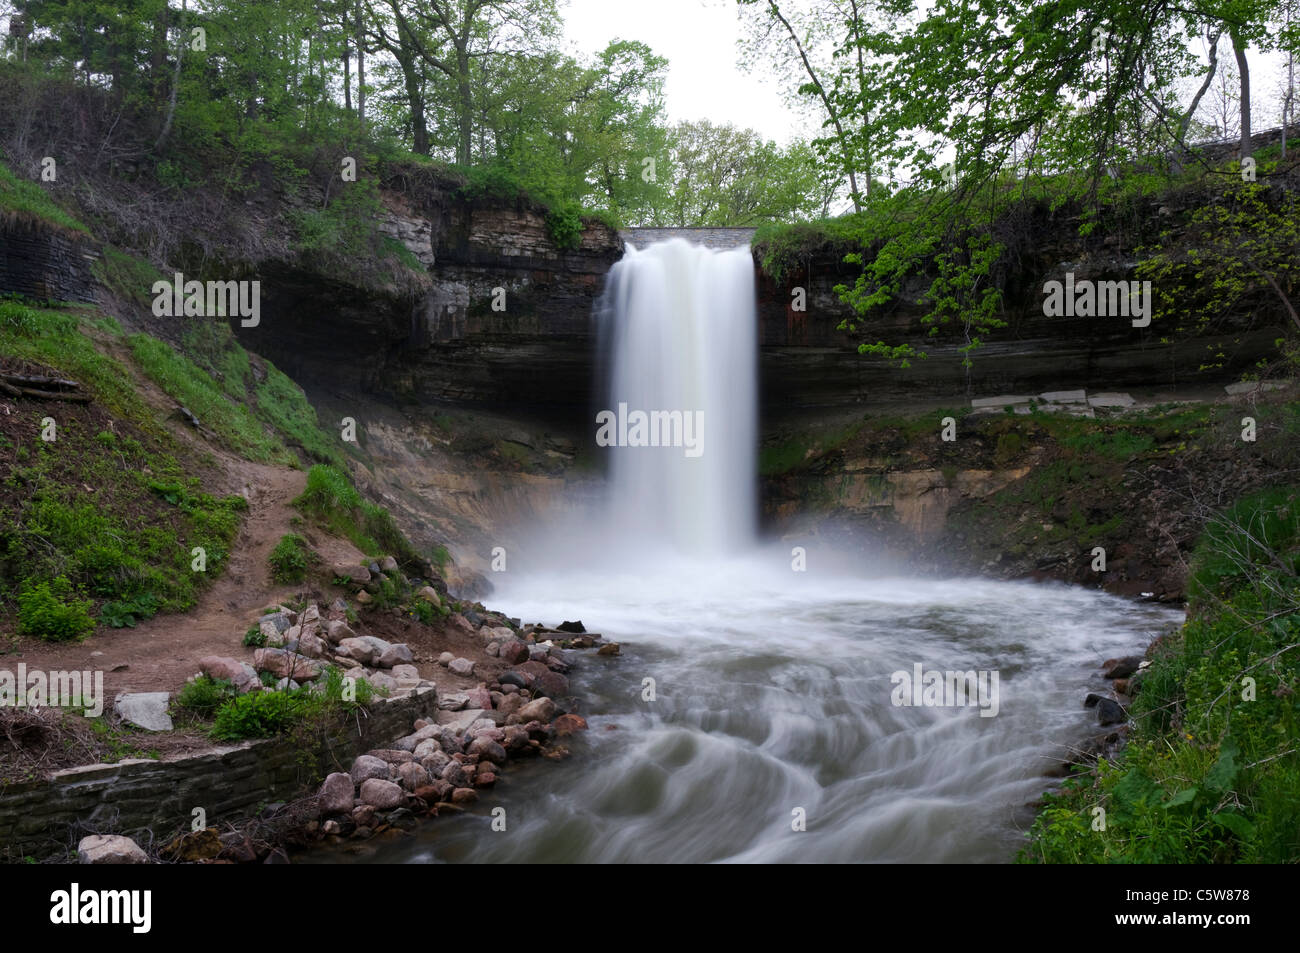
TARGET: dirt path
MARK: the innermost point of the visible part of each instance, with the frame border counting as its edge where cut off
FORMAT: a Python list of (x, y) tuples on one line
[(161, 653)]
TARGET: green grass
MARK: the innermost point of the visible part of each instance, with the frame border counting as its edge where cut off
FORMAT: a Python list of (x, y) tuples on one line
[(185, 382), (290, 559), (1212, 770), (106, 505), (130, 277), (332, 501), (25, 201)]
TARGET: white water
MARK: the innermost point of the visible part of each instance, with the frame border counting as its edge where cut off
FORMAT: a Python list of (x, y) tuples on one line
[(677, 332), (772, 687)]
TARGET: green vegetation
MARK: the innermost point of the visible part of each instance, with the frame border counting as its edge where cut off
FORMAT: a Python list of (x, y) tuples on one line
[(26, 202), (264, 714), (47, 611), (290, 559), (204, 696), (105, 505), (1212, 770), (332, 500)]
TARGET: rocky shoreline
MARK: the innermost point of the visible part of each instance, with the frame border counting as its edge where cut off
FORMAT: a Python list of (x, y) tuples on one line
[(511, 702)]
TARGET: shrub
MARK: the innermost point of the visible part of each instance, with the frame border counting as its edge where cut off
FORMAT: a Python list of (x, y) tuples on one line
[(290, 559), (204, 696), (262, 714), (49, 612)]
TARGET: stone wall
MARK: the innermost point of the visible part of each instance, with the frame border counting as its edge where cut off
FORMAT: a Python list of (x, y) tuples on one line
[(45, 264), (43, 817)]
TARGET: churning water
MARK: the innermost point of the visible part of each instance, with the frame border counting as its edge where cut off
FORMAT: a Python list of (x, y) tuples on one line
[(751, 699)]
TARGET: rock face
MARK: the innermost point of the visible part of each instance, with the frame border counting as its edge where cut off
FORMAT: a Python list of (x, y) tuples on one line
[(45, 264)]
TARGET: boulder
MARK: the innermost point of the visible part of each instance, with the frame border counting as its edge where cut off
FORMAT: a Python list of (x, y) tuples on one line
[(382, 795), (338, 630), (551, 684), (396, 654), (539, 709), (412, 776), (240, 674), (514, 652), (462, 667), (391, 755), (284, 664), (312, 646), (367, 767), (147, 710), (478, 698), (388, 564), (609, 648), (445, 659), (429, 595), (109, 849), (454, 773), (435, 761), (358, 649), (352, 572), (1110, 712), (464, 796), (487, 749), (406, 671), (336, 794)]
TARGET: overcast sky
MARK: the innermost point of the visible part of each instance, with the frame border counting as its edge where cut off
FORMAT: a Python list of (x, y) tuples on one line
[(698, 37)]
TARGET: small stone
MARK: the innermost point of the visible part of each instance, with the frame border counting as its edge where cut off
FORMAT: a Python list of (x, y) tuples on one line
[(398, 654), (445, 659), (412, 776), (461, 666), (514, 652), (338, 630), (464, 796), (609, 648), (406, 671)]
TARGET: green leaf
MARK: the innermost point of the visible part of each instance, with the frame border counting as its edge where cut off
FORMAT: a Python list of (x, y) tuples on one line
[(1220, 777), (1235, 823), (1185, 796)]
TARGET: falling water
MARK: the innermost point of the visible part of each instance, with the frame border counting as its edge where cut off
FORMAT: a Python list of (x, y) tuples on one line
[(678, 338), (752, 714)]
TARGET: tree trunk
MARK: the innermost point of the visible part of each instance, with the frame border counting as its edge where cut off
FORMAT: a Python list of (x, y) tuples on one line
[(466, 95), (1239, 49), (176, 85), (361, 65)]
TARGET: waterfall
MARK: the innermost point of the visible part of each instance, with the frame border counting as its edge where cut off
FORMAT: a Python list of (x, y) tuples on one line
[(677, 332)]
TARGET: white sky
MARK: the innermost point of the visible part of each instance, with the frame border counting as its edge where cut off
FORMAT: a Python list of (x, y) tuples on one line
[(698, 37)]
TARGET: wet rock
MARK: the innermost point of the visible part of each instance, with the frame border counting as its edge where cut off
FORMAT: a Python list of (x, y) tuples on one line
[(609, 648), (336, 794), (1122, 667), (516, 738), (571, 627), (1091, 699), (464, 796), (551, 684), (568, 724), (1110, 712), (484, 779), (539, 709), (383, 795), (109, 849), (363, 815)]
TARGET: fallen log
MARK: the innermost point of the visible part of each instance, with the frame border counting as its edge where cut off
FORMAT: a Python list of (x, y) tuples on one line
[(42, 383)]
